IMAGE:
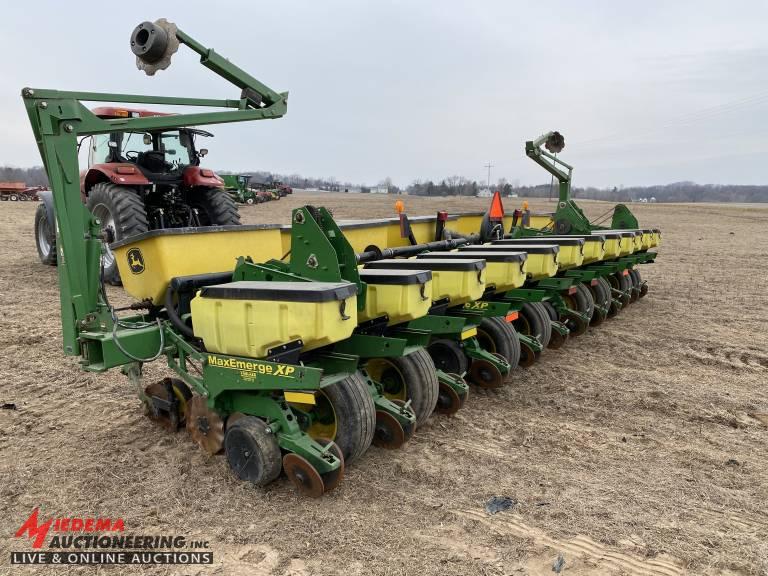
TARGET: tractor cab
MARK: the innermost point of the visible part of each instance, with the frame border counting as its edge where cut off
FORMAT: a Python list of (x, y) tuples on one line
[(161, 156)]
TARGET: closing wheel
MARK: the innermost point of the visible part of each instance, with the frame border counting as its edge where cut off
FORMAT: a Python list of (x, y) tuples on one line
[(253, 454), (528, 356), (448, 356), (557, 340), (332, 479), (171, 410), (498, 336), (462, 397), (205, 425), (303, 475), (408, 429), (412, 377), (486, 375), (343, 412), (448, 400), (389, 432)]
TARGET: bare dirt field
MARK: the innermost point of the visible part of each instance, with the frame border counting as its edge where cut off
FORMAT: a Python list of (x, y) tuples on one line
[(639, 448)]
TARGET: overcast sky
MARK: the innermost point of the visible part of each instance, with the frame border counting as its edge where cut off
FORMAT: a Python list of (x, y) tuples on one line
[(645, 92)]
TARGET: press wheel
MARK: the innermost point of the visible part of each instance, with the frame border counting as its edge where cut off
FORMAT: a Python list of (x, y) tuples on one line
[(557, 340), (408, 429), (527, 356), (252, 452)]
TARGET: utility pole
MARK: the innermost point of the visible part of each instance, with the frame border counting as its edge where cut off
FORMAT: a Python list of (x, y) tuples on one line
[(489, 166)]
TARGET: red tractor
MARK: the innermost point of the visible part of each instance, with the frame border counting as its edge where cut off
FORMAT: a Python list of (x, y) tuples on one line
[(140, 181)]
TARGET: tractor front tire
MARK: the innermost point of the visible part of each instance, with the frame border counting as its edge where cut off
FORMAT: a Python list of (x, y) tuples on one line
[(215, 207), (45, 236), (122, 209)]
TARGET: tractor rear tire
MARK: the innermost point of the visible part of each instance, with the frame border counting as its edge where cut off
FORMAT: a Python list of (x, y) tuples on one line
[(215, 207), (499, 336), (354, 416), (122, 209), (45, 236)]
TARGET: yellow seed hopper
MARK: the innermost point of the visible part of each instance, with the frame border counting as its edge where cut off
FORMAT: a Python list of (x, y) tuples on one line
[(504, 271), (543, 260), (460, 281)]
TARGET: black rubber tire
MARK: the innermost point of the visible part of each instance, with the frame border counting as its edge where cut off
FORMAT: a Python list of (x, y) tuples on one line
[(587, 296), (253, 454), (637, 282), (215, 207), (448, 356), (546, 322), (48, 229), (612, 310), (620, 282), (498, 335), (553, 315), (418, 367), (578, 302), (355, 415), (599, 295), (419, 375), (531, 322), (127, 209)]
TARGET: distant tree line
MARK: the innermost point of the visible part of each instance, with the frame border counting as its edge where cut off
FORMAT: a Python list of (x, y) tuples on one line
[(35, 176), (460, 186), (677, 192)]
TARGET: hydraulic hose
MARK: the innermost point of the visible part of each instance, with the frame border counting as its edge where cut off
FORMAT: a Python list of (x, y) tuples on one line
[(174, 317)]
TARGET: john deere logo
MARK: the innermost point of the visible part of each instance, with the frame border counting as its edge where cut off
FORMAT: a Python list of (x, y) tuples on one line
[(135, 260)]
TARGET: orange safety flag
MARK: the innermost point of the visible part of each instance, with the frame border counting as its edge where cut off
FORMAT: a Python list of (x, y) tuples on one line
[(497, 209)]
